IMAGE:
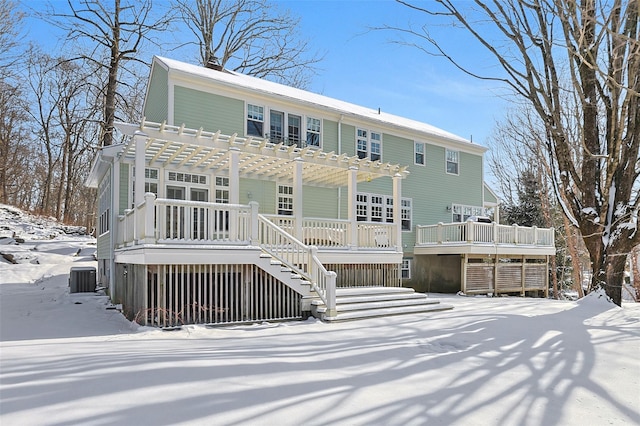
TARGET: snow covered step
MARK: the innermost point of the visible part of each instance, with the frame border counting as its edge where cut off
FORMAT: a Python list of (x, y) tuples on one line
[(351, 291), (365, 302), (362, 305), (401, 310), (382, 297)]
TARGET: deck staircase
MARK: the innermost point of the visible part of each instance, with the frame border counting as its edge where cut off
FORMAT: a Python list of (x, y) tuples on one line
[(366, 302), (281, 251), (285, 274)]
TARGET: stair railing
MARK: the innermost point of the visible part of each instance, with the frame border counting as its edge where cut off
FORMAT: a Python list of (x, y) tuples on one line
[(301, 258)]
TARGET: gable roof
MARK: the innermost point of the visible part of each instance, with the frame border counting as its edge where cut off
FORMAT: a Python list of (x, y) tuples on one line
[(257, 85)]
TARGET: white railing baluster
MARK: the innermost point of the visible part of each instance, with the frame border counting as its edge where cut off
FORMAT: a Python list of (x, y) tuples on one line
[(483, 233)]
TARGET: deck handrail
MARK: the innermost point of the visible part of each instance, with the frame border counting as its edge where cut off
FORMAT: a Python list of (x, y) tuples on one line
[(161, 220), (302, 259), (484, 233), (328, 233)]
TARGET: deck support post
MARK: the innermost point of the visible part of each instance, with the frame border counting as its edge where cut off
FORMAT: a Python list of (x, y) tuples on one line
[(353, 222)]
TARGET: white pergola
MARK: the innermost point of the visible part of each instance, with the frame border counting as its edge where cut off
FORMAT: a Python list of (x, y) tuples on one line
[(152, 144)]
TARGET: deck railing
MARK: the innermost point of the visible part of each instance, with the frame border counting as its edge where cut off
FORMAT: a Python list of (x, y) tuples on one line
[(163, 220), (483, 233), (177, 221), (300, 257), (336, 233)]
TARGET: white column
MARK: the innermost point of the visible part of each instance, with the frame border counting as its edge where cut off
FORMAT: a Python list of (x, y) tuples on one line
[(234, 175), (397, 209), (352, 190), (234, 190), (297, 198), (139, 139)]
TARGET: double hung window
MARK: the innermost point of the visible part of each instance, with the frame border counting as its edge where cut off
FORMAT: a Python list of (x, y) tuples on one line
[(313, 132), (453, 158), (255, 120), (419, 156), (368, 144), (405, 269), (104, 205), (285, 200)]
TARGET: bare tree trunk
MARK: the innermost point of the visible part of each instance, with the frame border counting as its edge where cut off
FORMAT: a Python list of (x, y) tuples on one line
[(635, 270)]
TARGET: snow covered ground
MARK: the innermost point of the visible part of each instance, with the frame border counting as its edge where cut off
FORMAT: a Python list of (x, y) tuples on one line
[(66, 359)]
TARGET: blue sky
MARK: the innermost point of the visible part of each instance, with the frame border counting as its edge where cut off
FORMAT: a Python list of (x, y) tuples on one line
[(365, 68)]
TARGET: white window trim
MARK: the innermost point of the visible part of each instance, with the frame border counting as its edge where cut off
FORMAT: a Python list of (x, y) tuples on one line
[(385, 206), (278, 195), (446, 162), (246, 118), (424, 153), (475, 211), (307, 132), (285, 126), (222, 187), (368, 152), (408, 261)]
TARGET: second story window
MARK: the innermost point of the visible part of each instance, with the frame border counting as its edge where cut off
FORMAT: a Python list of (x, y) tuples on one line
[(293, 130), (313, 132), (418, 150), (255, 120), (376, 146), (368, 145), (452, 161)]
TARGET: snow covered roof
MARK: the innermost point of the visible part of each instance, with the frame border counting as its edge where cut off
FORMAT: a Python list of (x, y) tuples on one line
[(234, 79)]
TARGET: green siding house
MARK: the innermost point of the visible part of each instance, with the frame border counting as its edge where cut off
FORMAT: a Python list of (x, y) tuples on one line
[(239, 199)]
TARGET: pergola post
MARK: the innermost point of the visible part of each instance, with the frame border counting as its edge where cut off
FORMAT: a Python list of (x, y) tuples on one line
[(139, 139), (297, 198), (397, 209), (234, 175), (234, 189), (352, 189)]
